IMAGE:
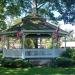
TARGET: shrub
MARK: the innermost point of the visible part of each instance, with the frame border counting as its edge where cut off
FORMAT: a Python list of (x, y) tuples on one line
[(15, 63), (7, 63), (62, 62), (26, 64), (69, 53)]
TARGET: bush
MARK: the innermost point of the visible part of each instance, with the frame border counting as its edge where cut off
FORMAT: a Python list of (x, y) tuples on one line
[(7, 63), (67, 59), (69, 53), (26, 64), (15, 63), (62, 62)]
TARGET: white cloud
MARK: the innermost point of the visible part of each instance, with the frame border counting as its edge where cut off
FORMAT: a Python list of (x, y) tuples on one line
[(67, 27)]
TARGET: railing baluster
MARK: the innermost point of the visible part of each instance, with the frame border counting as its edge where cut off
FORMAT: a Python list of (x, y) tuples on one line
[(32, 53)]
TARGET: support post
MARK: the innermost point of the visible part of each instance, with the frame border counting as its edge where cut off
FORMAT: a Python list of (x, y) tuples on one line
[(7, 42), (23, 37), (4, 44), (23, 47), (38, 41), (53, 43), (65, 42)]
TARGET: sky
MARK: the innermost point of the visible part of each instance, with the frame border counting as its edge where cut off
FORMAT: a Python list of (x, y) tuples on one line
[(56, 14), (67, 27)]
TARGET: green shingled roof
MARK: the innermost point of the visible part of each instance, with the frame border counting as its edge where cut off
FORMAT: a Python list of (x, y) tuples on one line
[(33, 22)]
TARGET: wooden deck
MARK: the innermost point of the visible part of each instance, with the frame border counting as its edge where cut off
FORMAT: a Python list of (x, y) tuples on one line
[(32, 53)]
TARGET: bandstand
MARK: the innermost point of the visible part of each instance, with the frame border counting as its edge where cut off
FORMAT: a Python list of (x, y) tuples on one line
[(32, 26)]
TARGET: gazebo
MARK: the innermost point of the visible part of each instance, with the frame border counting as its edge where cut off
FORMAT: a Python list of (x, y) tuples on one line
[(32, 26)]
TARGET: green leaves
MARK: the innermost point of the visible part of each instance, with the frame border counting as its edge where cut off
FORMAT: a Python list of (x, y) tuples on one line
[(17, 8), (2, 17), (13, 10), (29, 43), (2, 25)]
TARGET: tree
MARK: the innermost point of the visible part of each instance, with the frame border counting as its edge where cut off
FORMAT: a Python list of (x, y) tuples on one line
[(2, 25), (29, 43), (67, 12), (16, 8), (2, 16)]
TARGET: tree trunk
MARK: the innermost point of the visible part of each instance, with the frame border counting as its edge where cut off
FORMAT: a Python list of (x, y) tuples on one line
[(36, 7)]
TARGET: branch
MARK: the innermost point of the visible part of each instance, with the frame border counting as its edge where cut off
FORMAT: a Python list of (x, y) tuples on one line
[(41, 5)]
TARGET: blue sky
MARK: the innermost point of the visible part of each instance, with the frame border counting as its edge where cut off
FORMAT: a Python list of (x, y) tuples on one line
[(56, 14)]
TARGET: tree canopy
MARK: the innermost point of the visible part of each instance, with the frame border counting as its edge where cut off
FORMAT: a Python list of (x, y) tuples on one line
[(45, 8)]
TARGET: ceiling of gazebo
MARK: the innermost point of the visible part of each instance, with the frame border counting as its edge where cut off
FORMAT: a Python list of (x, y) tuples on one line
[(41, 35)]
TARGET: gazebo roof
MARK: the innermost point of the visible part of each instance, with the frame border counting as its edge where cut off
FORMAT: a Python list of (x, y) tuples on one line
[(33, 22)]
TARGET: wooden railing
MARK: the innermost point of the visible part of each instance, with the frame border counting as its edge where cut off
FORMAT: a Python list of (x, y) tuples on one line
[(32, 53)]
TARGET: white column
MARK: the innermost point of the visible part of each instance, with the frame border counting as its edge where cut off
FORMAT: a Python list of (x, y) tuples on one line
[(7, 42), (39, 41), (65, 42), (23, 37), (23, 46), (4, 45)]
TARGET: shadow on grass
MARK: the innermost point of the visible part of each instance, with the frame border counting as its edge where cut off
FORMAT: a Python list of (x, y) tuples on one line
[(36, 71)]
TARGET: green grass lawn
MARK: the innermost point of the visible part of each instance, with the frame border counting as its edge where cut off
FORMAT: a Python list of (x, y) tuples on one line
[(37, 71)]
